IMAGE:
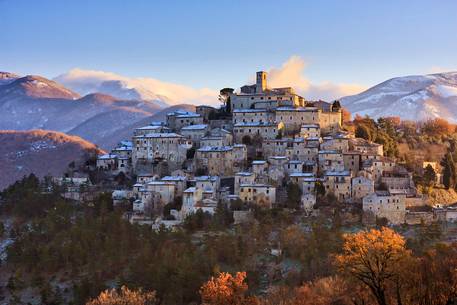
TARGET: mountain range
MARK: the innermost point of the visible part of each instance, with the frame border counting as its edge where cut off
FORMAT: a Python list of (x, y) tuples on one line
[(34, 102), (417, 97)]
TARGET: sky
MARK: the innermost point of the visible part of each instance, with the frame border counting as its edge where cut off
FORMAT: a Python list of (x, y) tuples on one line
[(321, 47)]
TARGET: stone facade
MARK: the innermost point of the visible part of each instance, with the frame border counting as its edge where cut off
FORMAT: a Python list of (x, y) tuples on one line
[(361, 187), (339, 184), (170, 147), (254, 130), (260, 194), (382, 204)]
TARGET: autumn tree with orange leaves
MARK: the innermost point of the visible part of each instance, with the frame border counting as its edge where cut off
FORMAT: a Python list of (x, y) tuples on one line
[(124, 297), (226, 290), (374, 258)]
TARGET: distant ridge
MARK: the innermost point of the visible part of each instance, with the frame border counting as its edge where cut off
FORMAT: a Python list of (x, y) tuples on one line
[(417, 97), (41, 152), (35, 102)]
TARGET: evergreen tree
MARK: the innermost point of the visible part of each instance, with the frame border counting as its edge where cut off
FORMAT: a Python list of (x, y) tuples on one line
[(363, 132), (429, 176), (449, 174), (293, 196)]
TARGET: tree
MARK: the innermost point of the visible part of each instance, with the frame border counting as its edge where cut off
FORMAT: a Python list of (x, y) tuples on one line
[(124, 297), (121, 178), (320, 189), (346, 115), (223, 217), (293, 241), (429, 176), (224, 98), (336, 106), (246, 140), (373, 258), (293, 196), (226, 290), (363, 132), (449, 174), (191, 152), (436, 127), (433, 277)]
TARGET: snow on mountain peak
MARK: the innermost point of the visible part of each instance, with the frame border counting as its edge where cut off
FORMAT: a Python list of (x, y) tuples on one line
[(36, 86), (415, 97), (147, 89)]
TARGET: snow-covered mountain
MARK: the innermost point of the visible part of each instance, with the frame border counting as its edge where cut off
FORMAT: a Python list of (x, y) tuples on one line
[(41, 152), (34, 102), (417, 97), (120, 88), (33, 86), (147, 89)]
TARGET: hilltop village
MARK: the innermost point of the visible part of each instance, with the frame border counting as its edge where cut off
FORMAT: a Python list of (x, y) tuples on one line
[(263, 148), (269, 185)]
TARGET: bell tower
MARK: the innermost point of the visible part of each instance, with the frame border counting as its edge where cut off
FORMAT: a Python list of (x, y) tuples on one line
[(261, 82)]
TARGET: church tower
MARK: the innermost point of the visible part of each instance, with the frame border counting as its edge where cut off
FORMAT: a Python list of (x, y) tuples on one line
[(261, 82)]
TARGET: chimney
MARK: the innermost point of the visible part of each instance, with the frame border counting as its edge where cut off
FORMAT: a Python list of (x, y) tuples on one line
[(261, 82)]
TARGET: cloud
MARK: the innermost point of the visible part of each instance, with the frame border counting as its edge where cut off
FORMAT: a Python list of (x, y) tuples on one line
[(438, 69), (291, 74), (91, 81)]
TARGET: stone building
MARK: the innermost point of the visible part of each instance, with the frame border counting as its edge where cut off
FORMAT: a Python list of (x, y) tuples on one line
[(374, 168), (260, 167), (179, 118), (361, 187), (194, 133), (107, 162), (169, 147), (180, 183), (275, 147), (276, 169), (307, 202), (252, 116), (162, 191), (338, 142), (339, 184), (251, 131), (310, 130), (210, 186), (331, 121), (157, 128), (263, 195), (309, 185), (366, 147), (294, 166), (398, 179), (262, 97), (330, 160), (123, 150), (243, 178), (205, 111), (300, 178), (215, 160), (352, 161), (240, 153), (292, 118), (382, 204)]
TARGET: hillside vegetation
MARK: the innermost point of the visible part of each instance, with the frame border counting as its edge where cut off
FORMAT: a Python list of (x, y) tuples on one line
[(41, 152)]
